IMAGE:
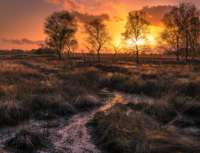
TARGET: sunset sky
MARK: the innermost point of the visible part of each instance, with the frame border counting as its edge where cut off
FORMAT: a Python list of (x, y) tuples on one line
[(21, 21)]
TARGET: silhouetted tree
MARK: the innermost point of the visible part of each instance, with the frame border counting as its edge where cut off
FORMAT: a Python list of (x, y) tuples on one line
[(117, 49), (187, 15), (91, 52), (137, 27), (60, 28), (74, 46), (97, 35), (194, 36), (170, 38)]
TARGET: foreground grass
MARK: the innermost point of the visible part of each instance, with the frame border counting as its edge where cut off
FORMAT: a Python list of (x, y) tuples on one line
[(46, 89), (116, 131)]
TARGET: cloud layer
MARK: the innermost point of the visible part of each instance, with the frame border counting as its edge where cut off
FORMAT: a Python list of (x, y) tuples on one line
[(22, 41), (86, 17), (156, 13)]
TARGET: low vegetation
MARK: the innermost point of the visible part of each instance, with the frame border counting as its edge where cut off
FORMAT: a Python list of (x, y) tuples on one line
[(47, 89), (25, 140)]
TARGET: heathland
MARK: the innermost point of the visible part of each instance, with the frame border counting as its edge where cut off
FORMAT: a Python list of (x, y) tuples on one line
[(73, 105)]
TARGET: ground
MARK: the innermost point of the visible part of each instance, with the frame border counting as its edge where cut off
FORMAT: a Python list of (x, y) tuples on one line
[(79, 106)]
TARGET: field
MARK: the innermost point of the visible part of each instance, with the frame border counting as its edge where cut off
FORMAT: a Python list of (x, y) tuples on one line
[(49, 105)]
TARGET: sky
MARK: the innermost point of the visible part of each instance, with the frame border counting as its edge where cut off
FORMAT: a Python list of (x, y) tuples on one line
[(22, 21)]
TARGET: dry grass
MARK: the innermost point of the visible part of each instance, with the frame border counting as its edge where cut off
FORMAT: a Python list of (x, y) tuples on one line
[(119, 132), (162, 111), (173, 142), (87, 101), (48, 88), (24, 140)]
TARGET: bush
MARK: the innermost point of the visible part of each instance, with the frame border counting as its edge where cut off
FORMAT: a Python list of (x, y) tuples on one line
[(162, 111), (120, 133), (192, 89), (13, 114), (87, 101), (24, 140), (192, 109), (137, 106), (39, 102)]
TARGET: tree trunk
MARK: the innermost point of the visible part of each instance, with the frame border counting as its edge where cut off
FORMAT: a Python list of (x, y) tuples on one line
[(98, 57), (177, 52), (193, 55), (92, 56), (186, 51), (137, 54), (113, 58), (56, 53), (59, 54), (83, 56), (68, 55)]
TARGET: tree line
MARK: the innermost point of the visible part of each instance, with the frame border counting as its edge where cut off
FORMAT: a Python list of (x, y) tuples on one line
[(181, 34)]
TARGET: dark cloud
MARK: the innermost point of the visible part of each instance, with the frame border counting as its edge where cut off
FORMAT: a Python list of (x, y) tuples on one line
[(5, 40), (156, 13), (86, 17), (16, 41), (22, 41), (98, 2)]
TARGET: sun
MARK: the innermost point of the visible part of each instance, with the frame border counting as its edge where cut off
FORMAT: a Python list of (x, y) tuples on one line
[(140, 42)]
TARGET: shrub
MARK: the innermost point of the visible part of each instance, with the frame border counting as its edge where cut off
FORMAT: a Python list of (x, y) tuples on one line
[(24, 140), (192, 109), (64, 109), (137, 106), (162, 111), (87, 101), (120, 133), (192, 89), (39, 102)]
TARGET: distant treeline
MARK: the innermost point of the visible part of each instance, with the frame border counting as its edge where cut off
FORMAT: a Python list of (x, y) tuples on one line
[(17, 52)]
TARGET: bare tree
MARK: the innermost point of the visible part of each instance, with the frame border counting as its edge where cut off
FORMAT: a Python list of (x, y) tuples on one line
[(97, 35), (117, 49), (91, 52), (170, 38), (188, 13), (74, 46), (194, 36), (60, 27), (136, 31)]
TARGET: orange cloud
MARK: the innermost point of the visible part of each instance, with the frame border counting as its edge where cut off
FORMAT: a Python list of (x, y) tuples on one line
[(72, 4), (86, 17), (118, 19), (114, 5)]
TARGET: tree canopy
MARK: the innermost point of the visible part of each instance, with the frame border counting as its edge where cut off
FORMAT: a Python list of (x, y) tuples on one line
[(97, 35), (137, 28), (60, 28)]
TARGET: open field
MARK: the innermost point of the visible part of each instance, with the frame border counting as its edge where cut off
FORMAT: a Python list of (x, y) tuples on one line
[(53, 106)]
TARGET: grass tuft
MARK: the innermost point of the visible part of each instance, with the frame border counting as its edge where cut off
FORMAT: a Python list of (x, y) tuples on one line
[(24, 140), (162, 111), (87, 101)]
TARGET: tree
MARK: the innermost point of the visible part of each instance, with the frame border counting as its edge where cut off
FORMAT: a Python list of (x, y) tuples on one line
[(117, 49), (137, 27), (74, 46), (97, 35), (170, 38), (194, 36), (188, 14), (91, 52), (60, 28)]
